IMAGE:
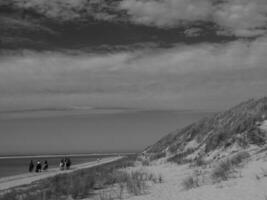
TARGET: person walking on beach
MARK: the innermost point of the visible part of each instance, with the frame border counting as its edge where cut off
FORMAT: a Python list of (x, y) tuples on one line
[(68, 163), (31, 166), (61, 164), (38, 167), (45, 165)]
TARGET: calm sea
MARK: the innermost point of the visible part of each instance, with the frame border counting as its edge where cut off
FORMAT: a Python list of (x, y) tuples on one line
[(16, 166)]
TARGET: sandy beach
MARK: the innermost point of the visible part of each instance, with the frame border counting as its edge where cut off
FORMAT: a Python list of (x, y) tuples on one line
[(248, 182), (28, 178)]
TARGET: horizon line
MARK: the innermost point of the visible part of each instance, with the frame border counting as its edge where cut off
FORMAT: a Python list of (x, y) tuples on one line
[(64, 155)]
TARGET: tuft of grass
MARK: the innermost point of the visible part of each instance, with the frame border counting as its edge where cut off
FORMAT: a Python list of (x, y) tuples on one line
[(104, 195), (199, 162), (190, 182), (227, 166), (134, 183), (180, 158), (222, 171), (145, 162), (156, 156), (239, 158), (160, 178)]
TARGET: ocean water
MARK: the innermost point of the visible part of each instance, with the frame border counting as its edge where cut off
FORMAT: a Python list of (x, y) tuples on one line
[(16, 166), (128, 131), (89, 132)]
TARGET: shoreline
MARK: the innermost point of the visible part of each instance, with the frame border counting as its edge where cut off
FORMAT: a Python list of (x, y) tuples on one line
[(64, 155), (28, 178)]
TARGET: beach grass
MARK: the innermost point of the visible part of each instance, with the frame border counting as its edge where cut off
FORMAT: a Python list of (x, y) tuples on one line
[(226, 167)]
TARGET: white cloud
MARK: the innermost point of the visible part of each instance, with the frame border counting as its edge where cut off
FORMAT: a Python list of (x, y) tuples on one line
[(200, 76), (243, 18), (167, 12), (193, 32)]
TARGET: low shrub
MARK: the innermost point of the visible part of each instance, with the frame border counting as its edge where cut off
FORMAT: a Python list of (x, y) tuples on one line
[(103, 195), (239, 158), (180, 158), (257, 137), (145, 162), (199, 162), (157, 156), (227, 166), (136, 182), (222, 171), (190, 182)]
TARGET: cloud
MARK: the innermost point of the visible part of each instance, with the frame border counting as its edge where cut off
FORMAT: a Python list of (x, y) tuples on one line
[(242, 18), (193, 32), (196, 76), (167, 12), (11, 24), (65, 10)]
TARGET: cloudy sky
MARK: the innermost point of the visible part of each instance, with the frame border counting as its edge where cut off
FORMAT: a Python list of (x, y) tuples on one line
[(131, 54)]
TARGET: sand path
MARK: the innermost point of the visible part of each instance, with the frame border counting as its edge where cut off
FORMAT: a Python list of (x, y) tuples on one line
[(28, 178)]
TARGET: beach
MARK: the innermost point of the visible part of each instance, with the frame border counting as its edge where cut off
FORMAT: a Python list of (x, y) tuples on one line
[(17, 165), (28, 178), (248, 182)]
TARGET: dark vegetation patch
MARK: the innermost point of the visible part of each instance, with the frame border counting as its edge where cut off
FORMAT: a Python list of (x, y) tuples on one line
[(180, 158), (157, 156), (226, 167)]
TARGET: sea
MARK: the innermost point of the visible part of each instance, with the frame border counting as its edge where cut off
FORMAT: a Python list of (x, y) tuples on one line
[(10, 166), (124, 131)]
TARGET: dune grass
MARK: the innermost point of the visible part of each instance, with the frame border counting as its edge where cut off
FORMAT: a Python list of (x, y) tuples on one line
[(180, 158), (128, 183), (190, 182), (223, 170)]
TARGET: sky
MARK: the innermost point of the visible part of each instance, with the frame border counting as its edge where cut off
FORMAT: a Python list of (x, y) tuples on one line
[(61, 57)]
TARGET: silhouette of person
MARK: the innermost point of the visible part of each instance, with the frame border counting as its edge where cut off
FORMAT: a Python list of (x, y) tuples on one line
[(68, 163), (61, 164), (45, 165), (38, 167), (65, 163), (31, 166)]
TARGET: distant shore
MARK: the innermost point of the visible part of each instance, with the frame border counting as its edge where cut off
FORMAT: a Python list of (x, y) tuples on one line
[(28, 178), (64, 155)]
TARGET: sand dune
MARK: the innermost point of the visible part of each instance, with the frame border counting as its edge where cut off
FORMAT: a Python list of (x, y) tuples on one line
[(13, 181), (248, 183)]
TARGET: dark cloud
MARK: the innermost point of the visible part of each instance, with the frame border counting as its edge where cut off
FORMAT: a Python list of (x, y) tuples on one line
[(88, 25)]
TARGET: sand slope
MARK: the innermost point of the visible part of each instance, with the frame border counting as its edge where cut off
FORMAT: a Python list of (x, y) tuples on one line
[(13, 181), (250, 183)]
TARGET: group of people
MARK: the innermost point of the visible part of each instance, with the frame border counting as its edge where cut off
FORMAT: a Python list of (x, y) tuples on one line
[(38, 167), (65, 164)]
